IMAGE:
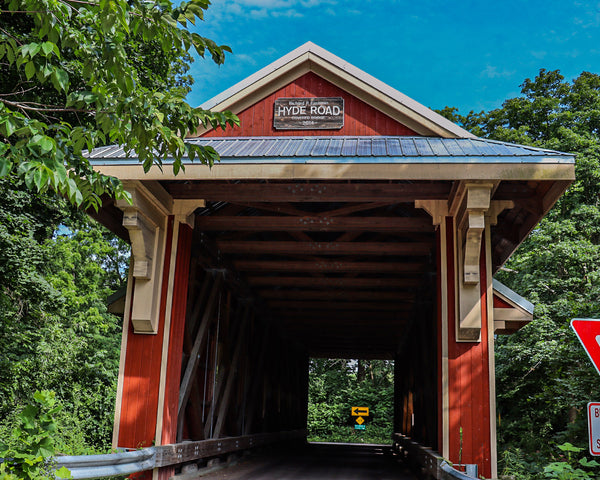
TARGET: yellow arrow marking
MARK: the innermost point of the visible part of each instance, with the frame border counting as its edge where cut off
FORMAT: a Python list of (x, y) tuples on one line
[(360, 411)]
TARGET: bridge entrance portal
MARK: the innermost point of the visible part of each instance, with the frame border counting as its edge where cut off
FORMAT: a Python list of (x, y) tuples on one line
[(372, 234)]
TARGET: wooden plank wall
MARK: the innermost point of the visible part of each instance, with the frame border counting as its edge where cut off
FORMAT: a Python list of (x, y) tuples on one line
[(177, 331), (246, 378), (416, 376), (359, 118), (468, 376)]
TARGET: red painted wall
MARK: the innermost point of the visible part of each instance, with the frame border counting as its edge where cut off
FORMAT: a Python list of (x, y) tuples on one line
[(359, 117), (180, 288), (137, 425), (499, 303), (468, 377)]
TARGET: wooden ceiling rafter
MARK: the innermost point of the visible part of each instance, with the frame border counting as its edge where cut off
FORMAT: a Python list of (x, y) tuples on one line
[(314, 223), (331, 282), (295, 294), (328, 266), (309, 192), (385, 249)]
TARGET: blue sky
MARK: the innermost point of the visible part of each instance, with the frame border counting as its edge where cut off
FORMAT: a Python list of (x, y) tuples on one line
[(469, 54)]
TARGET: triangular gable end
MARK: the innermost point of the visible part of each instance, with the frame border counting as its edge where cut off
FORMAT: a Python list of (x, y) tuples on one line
[(309, 58), (511, 311), (360, 118)]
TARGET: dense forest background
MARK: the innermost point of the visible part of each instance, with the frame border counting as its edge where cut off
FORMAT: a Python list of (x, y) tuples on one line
[(57, 269)]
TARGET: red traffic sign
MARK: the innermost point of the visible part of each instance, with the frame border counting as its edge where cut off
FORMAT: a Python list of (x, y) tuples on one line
[(588, 332), (594, 427)]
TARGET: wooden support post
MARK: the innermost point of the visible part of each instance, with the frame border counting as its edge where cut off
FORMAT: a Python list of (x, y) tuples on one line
[(192, 365), (466, 376), (201, 335), (225, 401), (258, 381)]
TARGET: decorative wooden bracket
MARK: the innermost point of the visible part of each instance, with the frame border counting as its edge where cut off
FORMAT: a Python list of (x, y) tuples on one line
[(470, 205), (146, 219), (438, 209), (471, 224)]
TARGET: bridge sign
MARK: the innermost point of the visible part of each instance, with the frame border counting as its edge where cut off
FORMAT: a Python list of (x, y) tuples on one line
[(588, 332), (594, 427)]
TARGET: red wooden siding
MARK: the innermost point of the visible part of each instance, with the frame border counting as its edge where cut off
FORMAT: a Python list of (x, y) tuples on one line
[(180, 288), (359, 117), (499, 303), (468, 378), (137, 426)]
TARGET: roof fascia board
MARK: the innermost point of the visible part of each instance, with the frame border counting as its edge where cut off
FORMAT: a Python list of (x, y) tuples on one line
[(127, 170), (365, 87)]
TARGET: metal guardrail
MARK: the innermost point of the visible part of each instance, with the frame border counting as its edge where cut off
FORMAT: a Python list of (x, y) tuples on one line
[(427, 462), (109, 465), (126, 463)]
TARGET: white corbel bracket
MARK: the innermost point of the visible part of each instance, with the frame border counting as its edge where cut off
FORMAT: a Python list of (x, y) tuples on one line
[(146, 218), (476, 204)]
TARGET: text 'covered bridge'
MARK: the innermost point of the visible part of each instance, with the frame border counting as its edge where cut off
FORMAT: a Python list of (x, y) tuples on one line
[(344, 220)]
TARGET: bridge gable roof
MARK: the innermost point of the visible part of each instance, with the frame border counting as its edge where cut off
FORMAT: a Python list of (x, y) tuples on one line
[(312, 58)]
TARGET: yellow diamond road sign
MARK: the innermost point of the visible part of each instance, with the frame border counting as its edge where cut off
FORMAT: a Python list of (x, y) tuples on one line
[(360, 420)]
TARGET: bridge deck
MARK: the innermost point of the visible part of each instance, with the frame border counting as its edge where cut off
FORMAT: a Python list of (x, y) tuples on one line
[(319, 462)]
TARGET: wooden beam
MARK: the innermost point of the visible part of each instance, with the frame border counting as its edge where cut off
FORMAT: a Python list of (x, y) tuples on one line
[(328, 266), (313, 223), (326, 248), (312, 282), (330, 305), (310, 192), (192, 366), (336, 295), (233, 368), (353, 208)]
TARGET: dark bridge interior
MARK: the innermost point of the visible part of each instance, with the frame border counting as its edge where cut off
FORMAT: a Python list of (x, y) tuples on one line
[(285, 271)]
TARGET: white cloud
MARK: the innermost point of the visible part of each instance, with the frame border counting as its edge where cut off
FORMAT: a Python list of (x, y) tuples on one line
[(492, 72), (227, 10)]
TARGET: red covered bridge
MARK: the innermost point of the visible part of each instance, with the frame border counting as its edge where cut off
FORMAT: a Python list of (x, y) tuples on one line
[(344, 220)]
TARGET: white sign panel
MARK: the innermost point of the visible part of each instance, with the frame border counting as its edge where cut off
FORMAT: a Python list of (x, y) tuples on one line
[(594, 427)]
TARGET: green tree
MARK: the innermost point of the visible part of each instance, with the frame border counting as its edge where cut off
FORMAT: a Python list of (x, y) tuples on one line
[(55, 331), (337, 385), (81, 74)]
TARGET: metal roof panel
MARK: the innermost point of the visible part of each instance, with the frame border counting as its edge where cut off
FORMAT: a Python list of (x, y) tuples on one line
[(376, 149)]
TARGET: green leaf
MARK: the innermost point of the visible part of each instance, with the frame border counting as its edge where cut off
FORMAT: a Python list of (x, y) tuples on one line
[(60, 80), (48, 48), (29, 70), (63, 472)]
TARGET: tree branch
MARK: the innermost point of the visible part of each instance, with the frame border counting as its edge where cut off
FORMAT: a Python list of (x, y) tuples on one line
[(44, 108)]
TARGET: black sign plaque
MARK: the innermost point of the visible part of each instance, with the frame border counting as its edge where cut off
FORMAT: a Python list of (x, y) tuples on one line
[(320, 113)]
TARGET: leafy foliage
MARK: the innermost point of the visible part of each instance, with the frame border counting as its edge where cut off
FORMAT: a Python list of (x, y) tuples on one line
[(337, 385), (33, 442), (544, 378), (87, 73), (55, 331)]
